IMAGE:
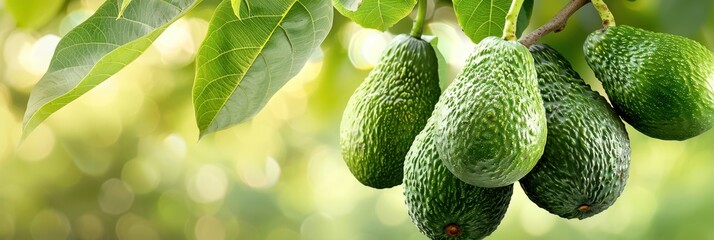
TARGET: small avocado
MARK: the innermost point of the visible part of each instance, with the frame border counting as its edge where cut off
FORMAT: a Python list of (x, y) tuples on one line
[(585, 165), (490, 126), (444, 207), (388, 110), (661, 84)]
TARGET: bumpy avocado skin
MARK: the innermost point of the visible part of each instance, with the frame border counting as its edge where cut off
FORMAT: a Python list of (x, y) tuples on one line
[(490, 122), (388, 110), (436, 199), (661, 84), (585, 165)]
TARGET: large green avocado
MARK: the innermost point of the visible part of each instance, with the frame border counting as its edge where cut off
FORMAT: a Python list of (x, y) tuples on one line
[(388, 110), (490, 123), (587, 156), (444, 207), (661, 84)]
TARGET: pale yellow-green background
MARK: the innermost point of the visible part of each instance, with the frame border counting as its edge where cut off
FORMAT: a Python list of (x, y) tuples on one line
[(123, 161)]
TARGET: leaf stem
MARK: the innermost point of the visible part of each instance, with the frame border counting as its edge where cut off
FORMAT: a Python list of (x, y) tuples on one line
[(509, 30), (556, 24), (608, 20), (418, 26)]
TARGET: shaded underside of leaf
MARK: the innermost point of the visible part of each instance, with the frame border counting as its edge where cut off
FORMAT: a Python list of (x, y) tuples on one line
[(524, 17), (244, 60), (482, 18), (375, 14), (97, 49)]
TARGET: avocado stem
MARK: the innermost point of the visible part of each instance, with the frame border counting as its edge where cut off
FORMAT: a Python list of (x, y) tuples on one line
[(608, 20), (418, 27), (509, 29), (555, 24)]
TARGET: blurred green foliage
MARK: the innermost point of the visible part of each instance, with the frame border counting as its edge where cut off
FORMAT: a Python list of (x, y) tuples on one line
[(122, 162)]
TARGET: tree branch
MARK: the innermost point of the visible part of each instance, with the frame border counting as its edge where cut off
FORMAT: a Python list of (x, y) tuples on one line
[(556, 24)]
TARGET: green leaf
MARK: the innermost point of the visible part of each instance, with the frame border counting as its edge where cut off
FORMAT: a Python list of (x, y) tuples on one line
[(124, 4), (236, 7), (376, 14), (482, 18), (244, 60), (33, 13), (524, 17), (97, 49)]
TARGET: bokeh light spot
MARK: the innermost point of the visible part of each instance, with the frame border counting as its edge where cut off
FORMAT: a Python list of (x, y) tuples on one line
[(38, 145), (131, 227), (176, 144), (209, 184), (318, 226), (89, 226), (37, 59), (175, 45), (366, 47), (210, 228), (390, 207), (451, 43), (115, 197), (49, 224), (256, 177), (140, 176)]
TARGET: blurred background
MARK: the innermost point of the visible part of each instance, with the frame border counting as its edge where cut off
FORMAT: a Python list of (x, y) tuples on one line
[(123, 161)]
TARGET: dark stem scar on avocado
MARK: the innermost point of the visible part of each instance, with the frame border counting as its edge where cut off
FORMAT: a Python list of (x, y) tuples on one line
[(452, 230), (584, 208)]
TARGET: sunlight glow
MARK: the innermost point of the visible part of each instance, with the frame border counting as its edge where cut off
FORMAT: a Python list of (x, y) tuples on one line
[(451, 43), (36, 60), (176, 45), (365, 48)]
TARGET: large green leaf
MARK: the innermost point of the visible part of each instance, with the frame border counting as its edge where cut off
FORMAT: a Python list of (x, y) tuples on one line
[(482, 18), (33, 13), (244, 60), (376, 14), (97, 49)]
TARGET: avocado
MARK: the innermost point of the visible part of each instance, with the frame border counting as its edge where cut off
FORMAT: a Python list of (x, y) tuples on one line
[(661, 84), (388, 110), (490, 126), (442, 206), (586, 160)]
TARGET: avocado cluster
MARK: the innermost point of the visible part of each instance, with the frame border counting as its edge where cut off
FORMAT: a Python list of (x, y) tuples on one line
[(520, 114)]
